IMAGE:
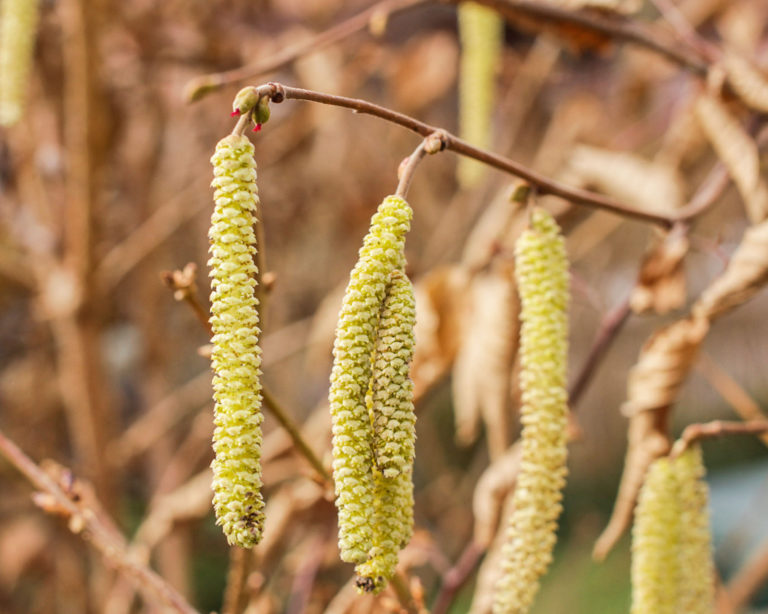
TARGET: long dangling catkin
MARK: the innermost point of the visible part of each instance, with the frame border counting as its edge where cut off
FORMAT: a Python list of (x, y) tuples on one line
[(480, 30), (236, 356), (541, 269), (18, 26), (393, 418), (382, 253), (655, 543), (697, 567)]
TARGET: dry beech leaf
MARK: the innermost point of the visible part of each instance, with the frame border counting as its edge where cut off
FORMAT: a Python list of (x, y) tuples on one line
[(738, 152), (440, 302), (483, 365), (650, 186), (424, 71), (746, 273), (665, 360), (496, 482), (661, 284), (747, 81)]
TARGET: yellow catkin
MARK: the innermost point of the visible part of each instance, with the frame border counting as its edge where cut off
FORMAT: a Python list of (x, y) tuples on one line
[(18, 27), (393, 419), (481, 31), (236, 357), (655, 541), (697, 568), (381, 254), (541, 269)]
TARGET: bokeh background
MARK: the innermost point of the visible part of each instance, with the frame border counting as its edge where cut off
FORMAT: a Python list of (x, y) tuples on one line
[(104, 186)]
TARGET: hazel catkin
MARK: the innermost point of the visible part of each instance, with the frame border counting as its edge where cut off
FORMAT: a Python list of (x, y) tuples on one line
[(18, 27), (236, 356), (382, 253), (541, 270)]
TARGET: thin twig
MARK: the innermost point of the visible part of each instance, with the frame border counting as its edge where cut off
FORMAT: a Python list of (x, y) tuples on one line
[(239, 562), (432, 144), (717, 428), (285, 420), (544, 185), (457, 576), (749, 579), (88, 524), (199, 87), (400, 585)]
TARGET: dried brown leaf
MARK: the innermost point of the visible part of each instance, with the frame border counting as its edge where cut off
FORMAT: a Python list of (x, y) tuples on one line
[(647, 185), (745, 275), (496, 482), (440, 304), (661, 284), (738, 152), (484, 362), (747, 81)]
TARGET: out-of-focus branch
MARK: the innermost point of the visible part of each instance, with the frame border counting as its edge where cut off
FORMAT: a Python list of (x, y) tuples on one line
[(199, 87), (457, 576), (718, 428), (85, 521), (749, 579)]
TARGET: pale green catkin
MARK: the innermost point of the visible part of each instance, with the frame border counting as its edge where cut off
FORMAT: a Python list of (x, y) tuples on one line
[(393, 418), (18, 27), (672, 565), (541, 269), (655, 536), (236, 356), (481, 31), (382, 253)]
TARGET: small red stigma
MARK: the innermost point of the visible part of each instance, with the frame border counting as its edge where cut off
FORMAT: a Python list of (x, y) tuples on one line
[(235, 113), (257, 127)]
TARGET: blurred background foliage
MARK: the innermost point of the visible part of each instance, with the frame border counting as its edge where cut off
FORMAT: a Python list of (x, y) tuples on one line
[(104, 186)]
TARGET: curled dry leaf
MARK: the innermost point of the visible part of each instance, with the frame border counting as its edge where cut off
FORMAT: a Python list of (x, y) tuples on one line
[(496, 482), (484, 362), (440, 302), (738, 152), (746, 273), (747, 81), (661, 284), (651, 186)]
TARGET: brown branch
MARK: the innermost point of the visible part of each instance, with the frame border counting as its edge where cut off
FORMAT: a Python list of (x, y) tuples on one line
[(432, 144), (457, 576), (86, 522), (544, 185), (197, 88), (717, 428), (749, 579), (239, 563), (614, 27), (400, 585)]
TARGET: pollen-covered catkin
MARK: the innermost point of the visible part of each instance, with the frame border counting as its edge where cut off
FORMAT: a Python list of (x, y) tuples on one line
[(236, 356), (394, 420), (382, 252), (696, 594), (655, 535), (18, 27), (541, 270), (481, 30)]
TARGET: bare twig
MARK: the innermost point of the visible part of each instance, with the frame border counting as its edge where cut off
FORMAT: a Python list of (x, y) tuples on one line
[(456, 576), (731, 391), (717, 428), (239, 562), (544, 185), (749, 579), (432, 144), (184, 287), (199, 87), (84, 521)]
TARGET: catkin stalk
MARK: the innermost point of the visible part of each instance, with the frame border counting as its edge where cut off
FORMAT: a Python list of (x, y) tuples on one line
[(541, 269), (236, 356), (18, 26), (353, 464), (481, 30)]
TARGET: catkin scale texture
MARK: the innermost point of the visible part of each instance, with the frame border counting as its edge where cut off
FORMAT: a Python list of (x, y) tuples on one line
[(381, 253), (236, 356), (541, 269), (18, 26)]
